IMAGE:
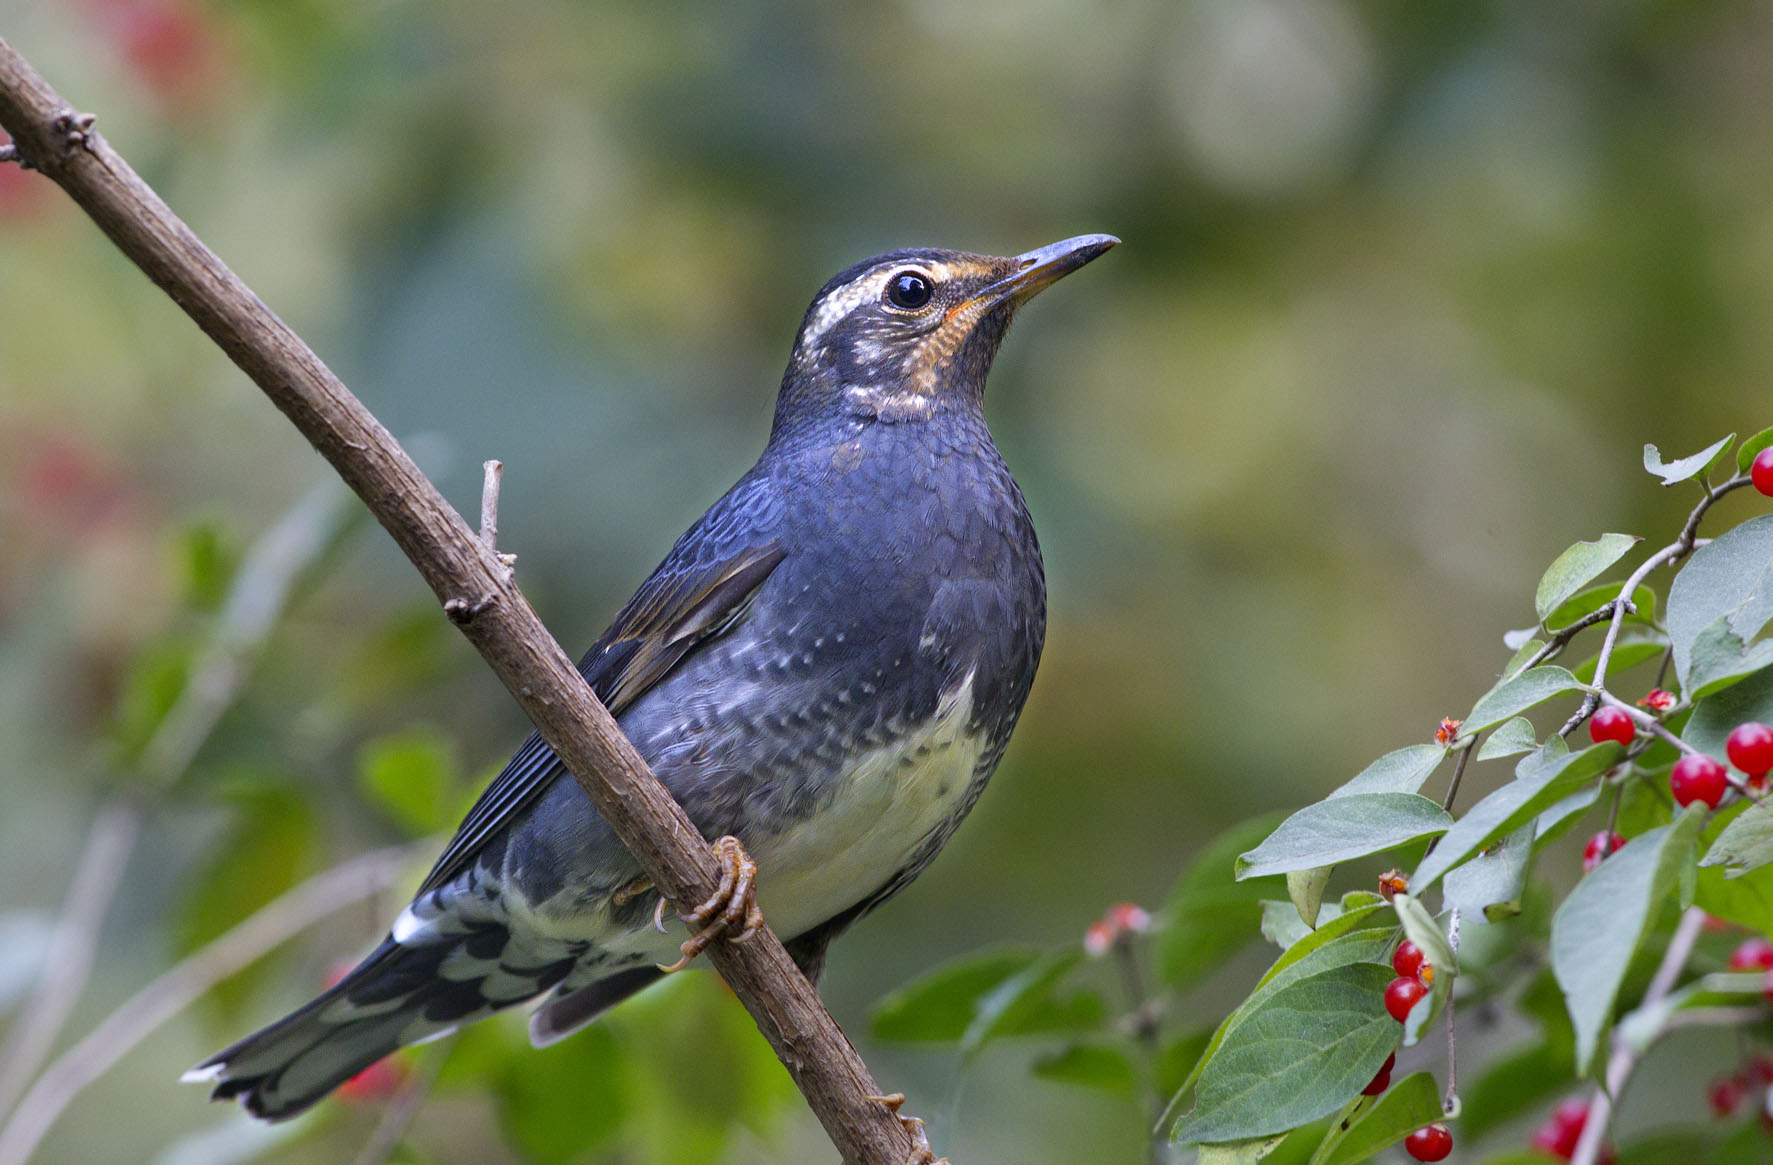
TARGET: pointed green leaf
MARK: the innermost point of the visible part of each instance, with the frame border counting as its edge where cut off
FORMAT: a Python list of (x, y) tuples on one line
[(1308, 1050), (1401, 771), (1027, 1003), (1239, 1152), (1210, 916), (1627, 654), (1599, 925), (1720, 659), (1746, 843), (1643, 602), (1342, 828), (1512, 697), (1745, 456), (1306, 889), (1487, 888), (1511, 738), (1543, 779), (1572, 570), (1731, 577), (1673, 472), (1090, 1066), (939, 1006), (1399, 1111)]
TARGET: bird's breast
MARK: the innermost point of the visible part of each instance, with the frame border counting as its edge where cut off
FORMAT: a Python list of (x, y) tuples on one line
[(876, 813)]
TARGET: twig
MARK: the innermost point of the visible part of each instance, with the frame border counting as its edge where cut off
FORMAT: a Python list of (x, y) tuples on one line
[(471, 582), (1562, 638), (68, 961), (259, 595), (186, 982), (1450, 1102), (1660, 730), (1625, 1057)]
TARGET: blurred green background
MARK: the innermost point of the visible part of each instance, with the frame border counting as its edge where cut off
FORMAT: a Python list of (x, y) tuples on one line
[(1404, 289)]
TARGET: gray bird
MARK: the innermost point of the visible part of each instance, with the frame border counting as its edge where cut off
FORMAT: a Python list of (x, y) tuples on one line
[(827, 667)]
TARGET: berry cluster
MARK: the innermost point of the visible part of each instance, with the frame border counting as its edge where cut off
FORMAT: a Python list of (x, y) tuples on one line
[(1727, 1093), (1601, 846), (1414, 977)]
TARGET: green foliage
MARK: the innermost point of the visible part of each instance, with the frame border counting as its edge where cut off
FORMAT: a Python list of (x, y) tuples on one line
[(410, 776)]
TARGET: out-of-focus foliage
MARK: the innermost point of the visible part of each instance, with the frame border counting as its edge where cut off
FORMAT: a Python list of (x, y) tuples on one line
[(1400, 283)]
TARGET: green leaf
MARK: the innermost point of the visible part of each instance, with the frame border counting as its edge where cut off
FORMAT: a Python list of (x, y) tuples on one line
[(1717, 715), (1210, 916), (1282, 925), (1511, 738), (1401, 771), (207, 561), (409, 776), (1026, 1003), (1341, 828), (1524, 646), (1306, 889), (1730, 577), (1360, 934), (1542, 779), (1400, 1110), (1090, 1066), (1239, 1152), (1745, 456), (1488, 887), (1589, 601), (1627, 654), (1305, 1052), (939, 1006), (1512, 697), (1575, 568), (1721, 660), (1746, 843), (1595, 931), (1687, 467)]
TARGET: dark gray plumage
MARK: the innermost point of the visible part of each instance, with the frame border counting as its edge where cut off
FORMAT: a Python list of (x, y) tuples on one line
[(827, 665)]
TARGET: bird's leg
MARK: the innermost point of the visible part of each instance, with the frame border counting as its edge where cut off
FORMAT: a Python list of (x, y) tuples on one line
[(732, 907), (922, 1153)]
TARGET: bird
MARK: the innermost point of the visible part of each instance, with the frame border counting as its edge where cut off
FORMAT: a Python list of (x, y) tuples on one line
[(824, 671)]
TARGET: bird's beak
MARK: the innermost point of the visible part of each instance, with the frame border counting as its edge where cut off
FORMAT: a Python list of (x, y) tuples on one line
[(1038, 270)]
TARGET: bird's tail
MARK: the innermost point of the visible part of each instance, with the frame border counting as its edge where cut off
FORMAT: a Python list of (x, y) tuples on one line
[(401, 994)]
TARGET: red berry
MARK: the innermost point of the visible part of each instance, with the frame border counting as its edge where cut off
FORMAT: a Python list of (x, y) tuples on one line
[(1429, 1144), (1401, 995), (1697, 778), (1760, 471), (1750, 747), (1612, 723), (1381, 1079), (1754, 954), (379, 1081), (1407, 959), (1759, 1071), (1723, 1096), (1599, 848), (1562, 1129)]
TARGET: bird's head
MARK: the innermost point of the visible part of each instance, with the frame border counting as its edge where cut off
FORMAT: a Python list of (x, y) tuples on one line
[(896, 336)]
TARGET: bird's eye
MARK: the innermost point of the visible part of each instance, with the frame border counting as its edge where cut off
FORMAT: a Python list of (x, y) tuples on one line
[(909, 290)]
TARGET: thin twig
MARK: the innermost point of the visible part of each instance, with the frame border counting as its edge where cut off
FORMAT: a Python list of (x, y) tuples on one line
[(474, 587), (1625, 1057), (68, 961), (1450, 1102), (257, 599), (489, 504), (185, 983), (1562, 638)]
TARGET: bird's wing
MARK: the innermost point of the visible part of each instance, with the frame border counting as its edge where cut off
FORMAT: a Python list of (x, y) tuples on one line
[(673, 613)]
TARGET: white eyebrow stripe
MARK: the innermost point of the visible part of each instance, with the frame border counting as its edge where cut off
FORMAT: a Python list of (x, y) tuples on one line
[(841, 303)]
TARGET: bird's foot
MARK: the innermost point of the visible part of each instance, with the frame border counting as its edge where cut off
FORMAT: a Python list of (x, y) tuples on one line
[(732, 910), (922, 1153)]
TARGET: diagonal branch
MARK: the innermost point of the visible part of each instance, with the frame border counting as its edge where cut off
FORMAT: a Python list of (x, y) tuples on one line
[(470, 581)]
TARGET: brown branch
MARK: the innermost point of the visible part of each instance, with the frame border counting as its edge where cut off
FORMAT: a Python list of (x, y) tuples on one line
[(469, 580)]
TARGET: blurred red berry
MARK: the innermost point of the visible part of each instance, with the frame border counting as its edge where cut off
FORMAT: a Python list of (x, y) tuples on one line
[(1612, 723), (1126, 916), (1382, 1079), (1760, 471), (1752, 954), (1600, 847), (1401, 995), (1098, 939), (1122, 919), (1407, 959), (1697, 778), (1562, 1129), (1657, 700), (1759, 1071), (1723, 1096), (1447, 732), (1429, 1144), (1750, 748), (379, 1081), (172, 46)]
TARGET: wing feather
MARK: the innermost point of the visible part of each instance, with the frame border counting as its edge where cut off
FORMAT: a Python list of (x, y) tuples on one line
[(675, 612)]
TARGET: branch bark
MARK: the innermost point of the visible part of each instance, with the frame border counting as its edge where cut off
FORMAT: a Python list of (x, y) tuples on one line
[(471, 582)]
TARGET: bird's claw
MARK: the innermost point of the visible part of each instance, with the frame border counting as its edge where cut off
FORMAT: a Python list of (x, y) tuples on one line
[(921, 1151), (731, 910)]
